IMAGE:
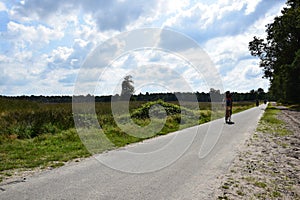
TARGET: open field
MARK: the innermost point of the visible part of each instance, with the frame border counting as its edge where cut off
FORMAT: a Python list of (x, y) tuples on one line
[(40, 135)]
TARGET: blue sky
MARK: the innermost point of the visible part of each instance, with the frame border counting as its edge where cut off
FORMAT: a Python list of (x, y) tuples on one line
[(45, 43)]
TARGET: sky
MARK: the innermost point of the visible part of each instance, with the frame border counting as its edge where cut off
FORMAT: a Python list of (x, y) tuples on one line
[(48, 47)]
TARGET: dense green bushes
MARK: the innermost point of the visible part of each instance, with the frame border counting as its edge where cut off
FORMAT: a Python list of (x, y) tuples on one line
[(24, 119)]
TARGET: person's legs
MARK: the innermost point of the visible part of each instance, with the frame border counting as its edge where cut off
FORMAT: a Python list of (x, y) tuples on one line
[(226, 114), (230, 113)]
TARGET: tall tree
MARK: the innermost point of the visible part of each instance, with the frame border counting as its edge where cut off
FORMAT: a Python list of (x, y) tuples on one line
[(279, 53), (127, 86)]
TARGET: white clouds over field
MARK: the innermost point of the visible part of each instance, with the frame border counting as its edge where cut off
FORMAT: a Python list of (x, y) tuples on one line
[(43, 43)]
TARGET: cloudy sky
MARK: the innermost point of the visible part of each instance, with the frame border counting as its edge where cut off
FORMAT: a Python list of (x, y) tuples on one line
[(45, 44)]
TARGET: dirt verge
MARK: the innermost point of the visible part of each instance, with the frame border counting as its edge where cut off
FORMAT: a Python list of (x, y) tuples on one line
[(269, 165)]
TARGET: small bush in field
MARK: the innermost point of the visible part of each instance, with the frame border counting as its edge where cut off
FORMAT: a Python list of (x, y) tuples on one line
[(169, 108)]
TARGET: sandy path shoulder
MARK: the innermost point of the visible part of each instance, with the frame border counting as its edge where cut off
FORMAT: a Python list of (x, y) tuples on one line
[(268, 167)]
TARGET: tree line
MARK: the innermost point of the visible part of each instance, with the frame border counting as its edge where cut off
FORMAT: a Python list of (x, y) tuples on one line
[(214, 95), (279, 53)]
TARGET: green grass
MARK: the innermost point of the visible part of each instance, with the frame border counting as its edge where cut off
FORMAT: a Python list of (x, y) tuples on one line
[(241, 106), (41, 151), (276, 194), (295, 107), (260, 184), (43, 135), (226, 187), (240, 193), (269, 123)]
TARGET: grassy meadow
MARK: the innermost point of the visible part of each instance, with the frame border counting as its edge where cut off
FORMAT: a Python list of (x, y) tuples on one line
[(43, 135)]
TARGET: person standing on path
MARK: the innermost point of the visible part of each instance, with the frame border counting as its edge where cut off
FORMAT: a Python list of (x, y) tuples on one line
[(228, 107)]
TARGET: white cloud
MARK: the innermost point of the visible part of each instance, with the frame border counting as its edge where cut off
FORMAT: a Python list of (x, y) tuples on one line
[(239, 79), (88, 33), (232, 47), (33, 35), (55, 82), (233, 60), (109, 15), (175, 6), (13, 78), (81, 43), (60, 54), (202, 15), (2, 7), (251, 6), (4, 58)]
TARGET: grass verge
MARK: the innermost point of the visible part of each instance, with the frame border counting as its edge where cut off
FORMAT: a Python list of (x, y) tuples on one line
[(43, 151), (269, 123)]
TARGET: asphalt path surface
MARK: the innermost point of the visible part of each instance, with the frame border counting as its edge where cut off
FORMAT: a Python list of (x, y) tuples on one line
[(180, 165)]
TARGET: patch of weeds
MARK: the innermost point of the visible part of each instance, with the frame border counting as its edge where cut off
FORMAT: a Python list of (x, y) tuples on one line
[(260, 195), (249, 179), (223, 197), (269, 116), (284, 145), (255, 136), (282, 132), (4, 175), (269, 123), (57, 164), (226, 187), (240, 193), (228, 184), (276, 194), (295, 107), (260, 184), (270, 164)]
